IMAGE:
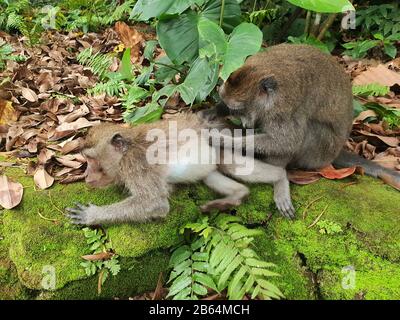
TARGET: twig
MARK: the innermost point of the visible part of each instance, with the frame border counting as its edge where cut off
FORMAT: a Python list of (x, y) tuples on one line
[(48, 219), (52, 203), (99, 281), (316, 220), (310, 204), (327, 24), (158, 291), (348, 184)]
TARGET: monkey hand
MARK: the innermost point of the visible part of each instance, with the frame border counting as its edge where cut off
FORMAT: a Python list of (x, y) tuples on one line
[(82, 215), (208, 115)]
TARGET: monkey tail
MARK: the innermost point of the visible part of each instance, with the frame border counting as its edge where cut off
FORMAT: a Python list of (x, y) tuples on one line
[(349, 159)]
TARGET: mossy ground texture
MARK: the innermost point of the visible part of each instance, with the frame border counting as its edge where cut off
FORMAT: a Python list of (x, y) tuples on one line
[(358, 259)]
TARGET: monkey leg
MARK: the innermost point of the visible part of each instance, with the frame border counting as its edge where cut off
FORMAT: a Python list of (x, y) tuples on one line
[(267, 173), (234, 191)]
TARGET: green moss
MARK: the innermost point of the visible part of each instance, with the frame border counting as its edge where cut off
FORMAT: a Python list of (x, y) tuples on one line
[(136, 276), (36, 234), (37, 242)]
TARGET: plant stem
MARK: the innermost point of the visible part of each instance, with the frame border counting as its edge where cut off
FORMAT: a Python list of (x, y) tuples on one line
[(308, 23), (297, 13), (327, 24), (166, 65), (315, 26), (254, 5), (221, 17)]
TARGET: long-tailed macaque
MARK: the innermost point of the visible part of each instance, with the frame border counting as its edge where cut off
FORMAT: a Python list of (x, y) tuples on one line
[(300, 101), (130, 156)]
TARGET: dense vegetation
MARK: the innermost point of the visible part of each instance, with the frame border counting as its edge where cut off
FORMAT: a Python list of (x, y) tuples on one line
[(198, 44)]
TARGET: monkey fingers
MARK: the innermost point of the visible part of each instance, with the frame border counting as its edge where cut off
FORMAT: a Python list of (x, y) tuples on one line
[(78, 215), (285, 207), (220, 205)]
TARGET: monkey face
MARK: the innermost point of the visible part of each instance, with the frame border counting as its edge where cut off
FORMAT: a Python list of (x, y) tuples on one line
[(95, 175), (104, 151), (248, 87)]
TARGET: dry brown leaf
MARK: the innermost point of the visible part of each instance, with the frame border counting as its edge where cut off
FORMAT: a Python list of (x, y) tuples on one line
[(390, 141), (331, 173), (7, 112), (98, 256), (45, 155), (73, 178), (29, 94), (131, 38), (69, 163), (303, 177), (71, 146), (42, 179), (10, 192), (76, 125), (365, 115), (380, 75)]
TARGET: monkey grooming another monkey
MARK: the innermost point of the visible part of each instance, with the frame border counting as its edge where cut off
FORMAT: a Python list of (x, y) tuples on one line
[(301, 101), (120, 155)]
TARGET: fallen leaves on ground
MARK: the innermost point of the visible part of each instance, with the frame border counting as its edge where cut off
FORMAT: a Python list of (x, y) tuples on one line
[(10, 192), (303, 177)]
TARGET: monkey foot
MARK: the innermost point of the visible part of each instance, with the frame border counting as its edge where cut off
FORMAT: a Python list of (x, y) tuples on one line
[(219, 204), (285, 207)]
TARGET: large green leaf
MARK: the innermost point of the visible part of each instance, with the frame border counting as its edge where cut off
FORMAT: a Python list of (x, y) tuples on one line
[(179, 37), (195, 80), (180, 5), (149, 113), (146, 9), (245, 40), (232, 13), (212, 39), (324, 6)]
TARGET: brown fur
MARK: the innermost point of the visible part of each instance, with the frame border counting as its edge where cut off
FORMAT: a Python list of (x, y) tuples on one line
[(301, 101), (307, 117)]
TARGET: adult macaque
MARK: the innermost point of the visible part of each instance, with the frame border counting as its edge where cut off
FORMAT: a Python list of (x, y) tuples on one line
[(300, 100), (122, 155)]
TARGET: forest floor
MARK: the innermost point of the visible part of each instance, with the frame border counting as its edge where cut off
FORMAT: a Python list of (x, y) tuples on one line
[(44, 111)]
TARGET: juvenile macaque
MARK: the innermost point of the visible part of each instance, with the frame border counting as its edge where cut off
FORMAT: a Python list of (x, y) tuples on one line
[(300, 101), (122, 155)]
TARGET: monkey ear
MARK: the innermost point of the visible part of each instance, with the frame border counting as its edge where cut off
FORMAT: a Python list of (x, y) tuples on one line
[(120, 143), (268, 84)]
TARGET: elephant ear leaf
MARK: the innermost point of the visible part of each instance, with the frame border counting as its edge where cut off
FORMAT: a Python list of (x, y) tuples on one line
[(324, 6), (244, 41)]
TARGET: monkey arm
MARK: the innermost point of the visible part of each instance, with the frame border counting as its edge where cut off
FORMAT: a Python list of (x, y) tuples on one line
[(283, 142), (131, 209), (212, 114)]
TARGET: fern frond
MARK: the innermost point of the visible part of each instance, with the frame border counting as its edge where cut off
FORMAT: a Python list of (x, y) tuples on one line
[(225, 256), (99, 63), (111, 88), (120, 11), (189, 279), (372, 89)]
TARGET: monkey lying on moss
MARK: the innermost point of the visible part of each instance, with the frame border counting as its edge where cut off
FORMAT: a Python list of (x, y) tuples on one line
[(122, 155)]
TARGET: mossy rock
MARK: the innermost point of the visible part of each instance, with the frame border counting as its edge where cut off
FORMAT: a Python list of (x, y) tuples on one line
[(312, 265)]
